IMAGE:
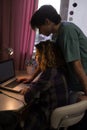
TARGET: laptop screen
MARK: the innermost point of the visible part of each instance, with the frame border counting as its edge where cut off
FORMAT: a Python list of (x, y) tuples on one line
[(7, 70)]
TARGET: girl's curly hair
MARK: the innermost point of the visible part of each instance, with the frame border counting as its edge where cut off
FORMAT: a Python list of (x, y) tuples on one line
[(50, 55)]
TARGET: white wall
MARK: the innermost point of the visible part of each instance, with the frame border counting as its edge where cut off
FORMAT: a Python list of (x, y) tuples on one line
[(80, 15)]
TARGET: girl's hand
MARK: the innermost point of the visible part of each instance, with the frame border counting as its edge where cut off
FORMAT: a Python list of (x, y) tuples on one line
[(24, 79)]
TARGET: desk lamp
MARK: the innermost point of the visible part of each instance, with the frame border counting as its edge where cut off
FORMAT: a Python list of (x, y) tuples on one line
[(9, 51)]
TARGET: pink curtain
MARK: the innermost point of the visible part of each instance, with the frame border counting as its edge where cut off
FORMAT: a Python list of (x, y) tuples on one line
[(16, 31)]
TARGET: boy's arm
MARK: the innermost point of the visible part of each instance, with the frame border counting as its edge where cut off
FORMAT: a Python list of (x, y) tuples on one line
[(81, 74)]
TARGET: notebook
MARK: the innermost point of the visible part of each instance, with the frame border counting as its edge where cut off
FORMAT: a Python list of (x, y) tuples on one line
[(8, 77)]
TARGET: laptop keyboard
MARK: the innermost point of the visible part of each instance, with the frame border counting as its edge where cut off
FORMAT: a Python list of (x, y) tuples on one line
[(12, 84)]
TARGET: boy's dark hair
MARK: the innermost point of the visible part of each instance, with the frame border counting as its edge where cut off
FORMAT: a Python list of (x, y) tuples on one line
[(45, 11)]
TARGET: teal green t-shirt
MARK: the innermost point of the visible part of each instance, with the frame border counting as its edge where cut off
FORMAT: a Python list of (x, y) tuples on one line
[(73, 44)]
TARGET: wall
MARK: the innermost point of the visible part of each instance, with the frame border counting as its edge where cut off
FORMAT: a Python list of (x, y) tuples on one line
[(79, 16), (64, 9)]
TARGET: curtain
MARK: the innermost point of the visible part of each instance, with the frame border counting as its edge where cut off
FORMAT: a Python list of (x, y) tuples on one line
[(15, 28)]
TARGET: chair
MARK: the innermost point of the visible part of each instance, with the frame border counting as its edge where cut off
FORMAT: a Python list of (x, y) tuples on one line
[(68, 115)]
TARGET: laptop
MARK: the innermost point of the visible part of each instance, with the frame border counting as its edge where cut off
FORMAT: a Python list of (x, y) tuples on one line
[(8, 78)]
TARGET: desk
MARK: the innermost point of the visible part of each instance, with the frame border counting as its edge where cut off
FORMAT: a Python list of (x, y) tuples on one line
[(12, 101)]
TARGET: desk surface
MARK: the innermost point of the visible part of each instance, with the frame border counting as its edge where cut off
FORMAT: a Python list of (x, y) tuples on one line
[(11, 101)]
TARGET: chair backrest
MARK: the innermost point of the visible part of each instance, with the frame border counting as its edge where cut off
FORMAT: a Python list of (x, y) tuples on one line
[(68, 115)]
